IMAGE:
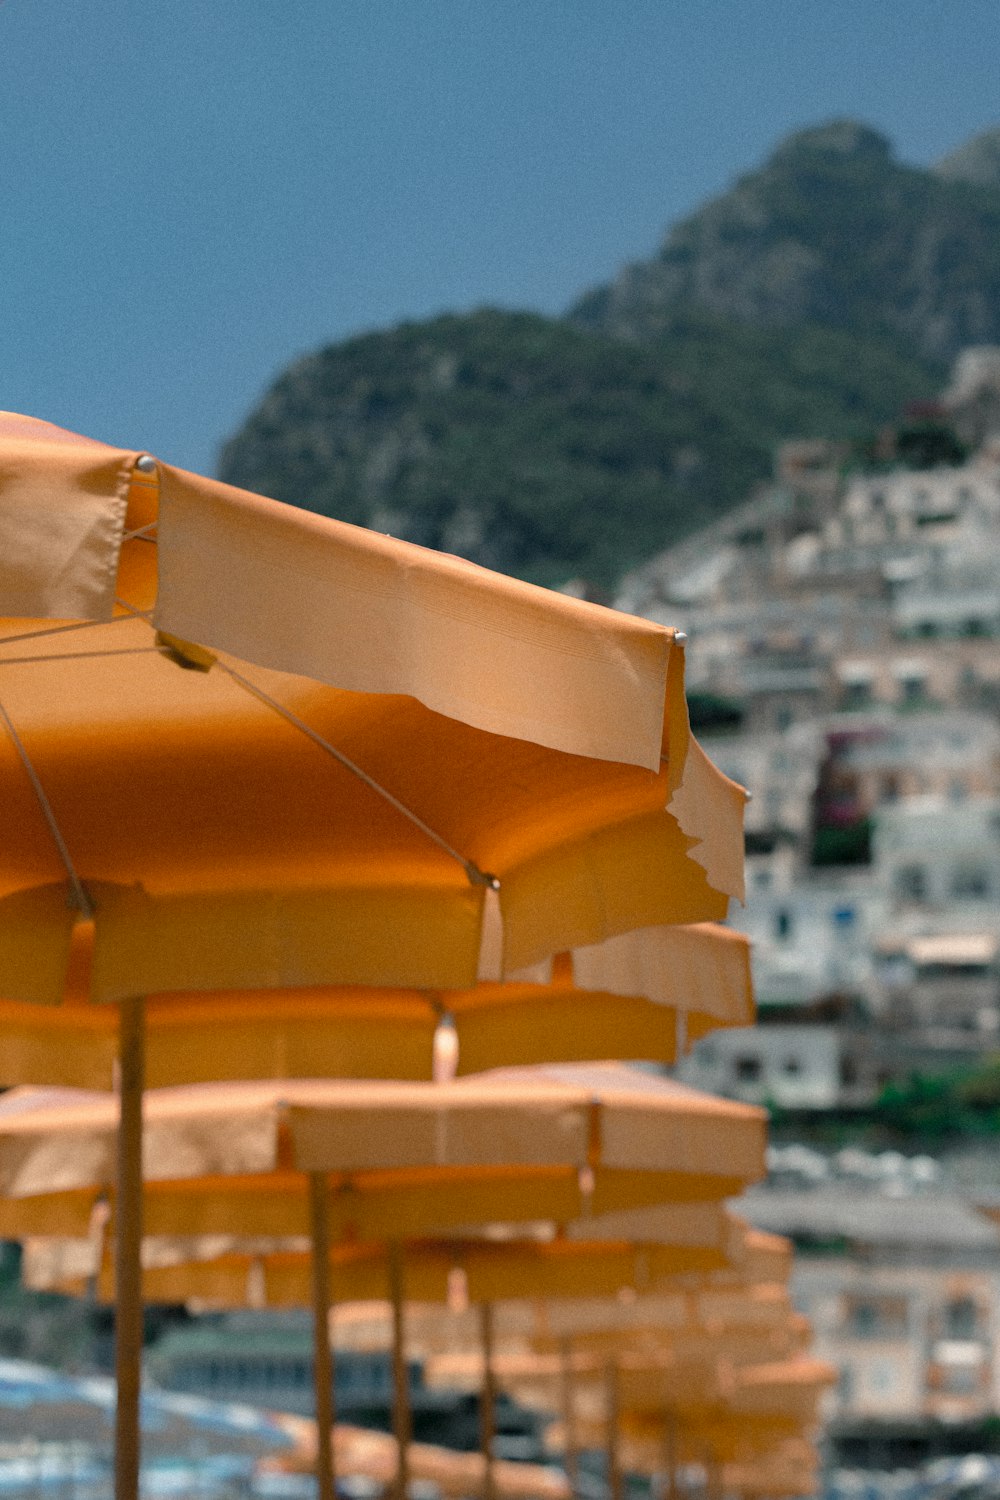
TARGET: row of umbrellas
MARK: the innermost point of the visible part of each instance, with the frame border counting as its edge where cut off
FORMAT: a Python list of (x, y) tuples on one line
[(305, 827)]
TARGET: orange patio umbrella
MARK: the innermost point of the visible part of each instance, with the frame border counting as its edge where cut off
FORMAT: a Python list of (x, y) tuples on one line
[(644, 994), (359, 1450), (490, 1271), (347, 693), (633, 1349), (328, 1158), (248, 749), (217, 1273), (731, 1415)]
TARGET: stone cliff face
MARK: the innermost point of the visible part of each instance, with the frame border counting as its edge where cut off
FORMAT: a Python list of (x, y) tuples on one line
[(832, 231)]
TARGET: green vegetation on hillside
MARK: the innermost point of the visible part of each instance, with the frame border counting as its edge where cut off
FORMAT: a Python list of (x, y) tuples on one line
[(549, 451), (924, 1112)]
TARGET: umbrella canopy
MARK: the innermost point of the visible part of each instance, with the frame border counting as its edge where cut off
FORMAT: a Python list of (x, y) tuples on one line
[(367, 740), (328, 1157), (361, 1451), (535, 1378), (628, 997), (247, 749), (272, 1274), (759, 1463), (397, 1158)]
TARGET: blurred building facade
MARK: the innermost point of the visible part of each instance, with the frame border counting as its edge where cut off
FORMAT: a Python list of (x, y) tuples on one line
[(844, 663)]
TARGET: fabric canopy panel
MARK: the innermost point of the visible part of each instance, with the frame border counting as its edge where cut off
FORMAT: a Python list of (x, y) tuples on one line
[(191, 811), (448, 726), (318, 598), (489, 1271), (56, 1263), (751, 1299), (379, 1204), (537, 1377), (747, 1462), (519, 1144), (360, 1450), (624, 997)]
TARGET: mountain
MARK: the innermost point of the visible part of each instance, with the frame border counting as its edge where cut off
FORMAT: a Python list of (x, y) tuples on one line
[(978, 161), (817, 297), (832, 231), (548, 450)]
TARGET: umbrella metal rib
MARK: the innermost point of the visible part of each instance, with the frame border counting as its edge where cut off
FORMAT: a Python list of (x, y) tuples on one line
[(472, 870), (80, 898)]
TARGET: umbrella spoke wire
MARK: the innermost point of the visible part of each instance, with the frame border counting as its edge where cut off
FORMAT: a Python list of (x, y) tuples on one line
[(81, 900), (34, 635), (475, 875), (472, 870)]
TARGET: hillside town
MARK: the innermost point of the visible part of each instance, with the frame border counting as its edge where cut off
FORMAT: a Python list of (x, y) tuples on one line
[(843, 656)]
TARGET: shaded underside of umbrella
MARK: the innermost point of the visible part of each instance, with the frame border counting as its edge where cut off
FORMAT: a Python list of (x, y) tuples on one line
[(361, 1451), (629, 996)]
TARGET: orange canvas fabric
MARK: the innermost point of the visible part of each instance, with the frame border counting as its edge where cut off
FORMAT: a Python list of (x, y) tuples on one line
[(555, 1117), (629, 1003), (491, 1273), (193, 809)]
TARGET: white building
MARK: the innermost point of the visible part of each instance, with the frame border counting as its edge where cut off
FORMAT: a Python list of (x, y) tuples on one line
[(938, 859)]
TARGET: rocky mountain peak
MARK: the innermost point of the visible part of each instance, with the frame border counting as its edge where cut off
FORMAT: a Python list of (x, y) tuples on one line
[(836, 138), (977, 161), (830, 231)]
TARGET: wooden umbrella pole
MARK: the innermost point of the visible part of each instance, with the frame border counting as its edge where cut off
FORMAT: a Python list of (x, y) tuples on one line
[(319, 1220), (400, 1375), (615, 1487), (713, 1487), (670, 1455), (571, 1461), (488, 1401), (128, 1248)]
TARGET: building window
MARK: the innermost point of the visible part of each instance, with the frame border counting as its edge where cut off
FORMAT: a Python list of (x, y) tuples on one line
[(960, 1318), (971, 882), (856, 695), (876, 1317), (911, 882), (914, 690), (747, 1069), (792, 1067), (959, 1380), (783, 923), (864, 1320), (845, 1385)]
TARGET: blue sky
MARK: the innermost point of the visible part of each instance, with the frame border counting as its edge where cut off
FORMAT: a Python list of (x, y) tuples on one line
[(194, 193)]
